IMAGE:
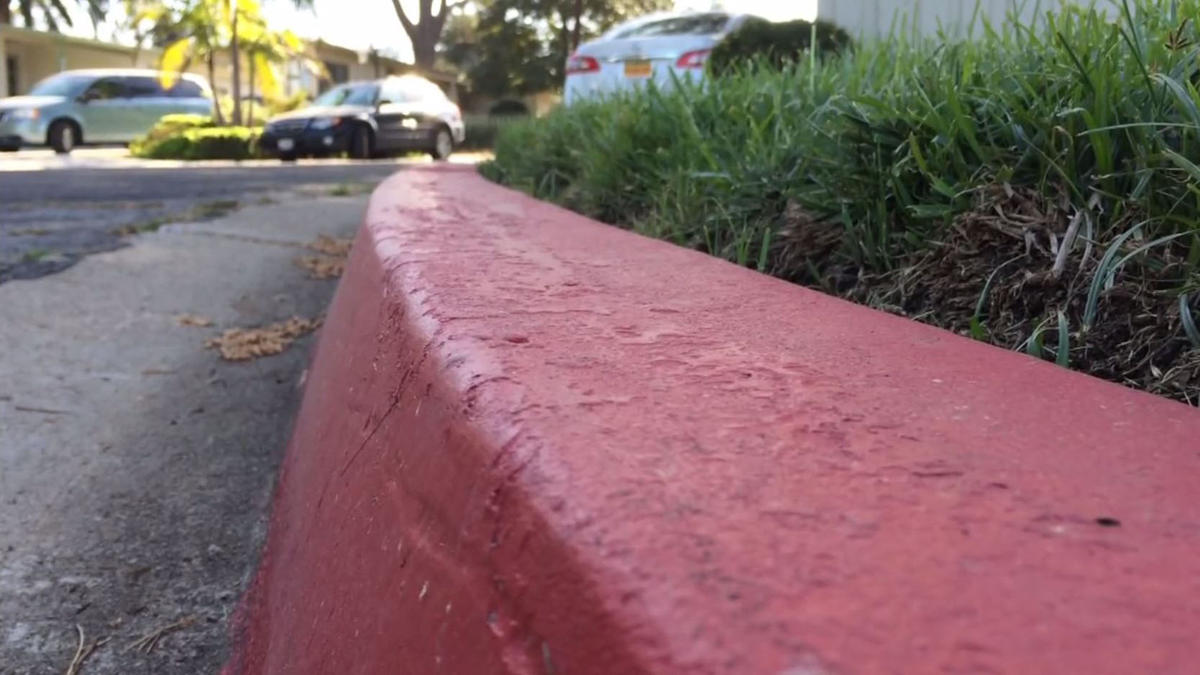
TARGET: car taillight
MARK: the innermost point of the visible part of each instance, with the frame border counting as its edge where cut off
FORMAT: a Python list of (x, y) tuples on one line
[(582, 64), (695, 59)]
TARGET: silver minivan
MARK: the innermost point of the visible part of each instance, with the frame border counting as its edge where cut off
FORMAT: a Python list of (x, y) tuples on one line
[(97, 106)]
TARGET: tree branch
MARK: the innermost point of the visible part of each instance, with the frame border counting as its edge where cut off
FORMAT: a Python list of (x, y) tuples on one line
[(409, 27)]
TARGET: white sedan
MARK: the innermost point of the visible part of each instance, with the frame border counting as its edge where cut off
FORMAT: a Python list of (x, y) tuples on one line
[(647, 49)]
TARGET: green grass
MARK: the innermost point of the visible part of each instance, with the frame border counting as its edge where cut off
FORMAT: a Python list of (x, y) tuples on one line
[(35, 255), (1065, 153), (350, 189)]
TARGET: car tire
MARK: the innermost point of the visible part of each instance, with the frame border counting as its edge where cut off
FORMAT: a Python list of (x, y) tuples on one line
[(361, 145), (443, 144), (9, 148), (63, 136), (289, 157)]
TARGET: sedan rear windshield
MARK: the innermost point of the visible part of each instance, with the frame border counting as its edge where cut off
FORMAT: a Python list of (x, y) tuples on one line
[(61, 85), (692, 24), (355, 94)]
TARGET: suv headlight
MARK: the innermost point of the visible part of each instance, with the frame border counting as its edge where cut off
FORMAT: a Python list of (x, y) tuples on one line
[(321, 123), (26, 114)]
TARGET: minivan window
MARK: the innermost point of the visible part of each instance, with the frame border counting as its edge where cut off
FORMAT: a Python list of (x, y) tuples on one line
[(109, 87), (61, 85), (142, 87), (186, 89), (692, 24), (351, 94)]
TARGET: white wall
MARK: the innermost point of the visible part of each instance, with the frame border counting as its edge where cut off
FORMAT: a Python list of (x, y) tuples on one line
[(874, 18)]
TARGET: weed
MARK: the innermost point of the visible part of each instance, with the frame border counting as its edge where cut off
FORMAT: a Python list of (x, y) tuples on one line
[(350, 189), (214, 209)]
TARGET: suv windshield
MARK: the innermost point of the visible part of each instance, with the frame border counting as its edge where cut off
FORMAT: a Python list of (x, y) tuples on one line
[(61, 85), (350, 94), (692, 24)]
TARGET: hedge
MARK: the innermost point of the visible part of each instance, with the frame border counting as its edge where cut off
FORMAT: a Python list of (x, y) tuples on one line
[(775, 44), (194, 137)]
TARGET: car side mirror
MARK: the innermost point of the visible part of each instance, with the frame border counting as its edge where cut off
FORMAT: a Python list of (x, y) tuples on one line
[(382, 102)]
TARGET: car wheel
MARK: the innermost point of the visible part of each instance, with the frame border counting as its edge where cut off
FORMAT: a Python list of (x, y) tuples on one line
[(64, 136), (443, 144), (287, 157), (361, 145), (9, 148)]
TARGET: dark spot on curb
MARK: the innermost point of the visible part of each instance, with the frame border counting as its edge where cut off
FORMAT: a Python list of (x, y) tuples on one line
[(1108, 522), (517, 339)]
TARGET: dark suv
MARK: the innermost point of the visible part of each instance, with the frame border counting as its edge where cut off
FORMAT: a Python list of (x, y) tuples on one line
[(368, 119)]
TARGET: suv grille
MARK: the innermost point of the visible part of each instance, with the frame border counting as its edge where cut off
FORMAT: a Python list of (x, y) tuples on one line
[(289, 126)]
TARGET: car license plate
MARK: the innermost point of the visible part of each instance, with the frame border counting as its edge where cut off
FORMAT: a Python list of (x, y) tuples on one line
[(638, 69), (286, 144), (409, 123)]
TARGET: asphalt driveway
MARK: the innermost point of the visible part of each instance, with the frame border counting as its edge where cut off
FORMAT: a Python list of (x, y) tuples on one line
[(54, 211), (136, 465)]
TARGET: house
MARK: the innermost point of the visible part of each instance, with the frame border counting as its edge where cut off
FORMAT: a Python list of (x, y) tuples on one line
[(28, 56), (878, 18)]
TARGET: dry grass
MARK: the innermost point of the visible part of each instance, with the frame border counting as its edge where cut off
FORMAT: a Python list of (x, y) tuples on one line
[(149, 641), (244, 344), (83, 651), (322, 266), (194, 320), (332, 259)]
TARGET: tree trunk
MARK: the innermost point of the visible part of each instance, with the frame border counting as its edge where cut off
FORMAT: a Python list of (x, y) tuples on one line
[(425, 32), (212, 81), (5, 12), (424, 46), (250, 98), (236, 57), (576, 30)]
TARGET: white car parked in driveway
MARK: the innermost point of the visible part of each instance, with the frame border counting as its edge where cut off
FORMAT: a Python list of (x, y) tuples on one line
[(653, 48)]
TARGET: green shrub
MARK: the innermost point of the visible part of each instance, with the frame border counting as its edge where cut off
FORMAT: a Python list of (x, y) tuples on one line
[(483, 129), (1036, 187), (193, 137), (775, 44), (167, 127)]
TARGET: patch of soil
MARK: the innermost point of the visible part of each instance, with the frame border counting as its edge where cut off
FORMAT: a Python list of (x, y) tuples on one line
[(1008, 268)]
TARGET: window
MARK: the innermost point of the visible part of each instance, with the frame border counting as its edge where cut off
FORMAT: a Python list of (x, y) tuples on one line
[(10, 64), (109, 87), (350, 94), (691, 24), (142, 87), (338, 72), (60, 85), (186, 89), (410, 90)]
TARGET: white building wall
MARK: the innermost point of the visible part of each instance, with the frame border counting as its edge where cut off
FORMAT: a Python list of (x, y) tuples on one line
[(876, 18)]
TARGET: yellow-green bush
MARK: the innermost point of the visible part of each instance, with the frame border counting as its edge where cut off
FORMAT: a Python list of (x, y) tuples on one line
[(193, 137)]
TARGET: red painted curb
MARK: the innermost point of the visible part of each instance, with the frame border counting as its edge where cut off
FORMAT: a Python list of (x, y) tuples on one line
[(532, 443)]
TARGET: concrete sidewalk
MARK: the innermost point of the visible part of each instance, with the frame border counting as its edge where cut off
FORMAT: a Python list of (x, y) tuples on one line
[(135, 466)]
